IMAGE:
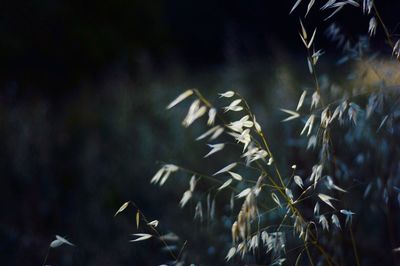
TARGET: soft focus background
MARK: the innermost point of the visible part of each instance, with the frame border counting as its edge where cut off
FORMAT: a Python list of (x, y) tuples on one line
[(83, 126)]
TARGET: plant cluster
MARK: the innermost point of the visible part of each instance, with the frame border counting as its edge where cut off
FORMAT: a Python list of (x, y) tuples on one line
[(300, 213)]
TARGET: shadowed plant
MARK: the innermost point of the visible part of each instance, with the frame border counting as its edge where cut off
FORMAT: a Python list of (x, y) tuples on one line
[(346, 169)]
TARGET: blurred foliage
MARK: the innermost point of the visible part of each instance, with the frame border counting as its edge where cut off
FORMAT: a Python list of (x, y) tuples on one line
[(69, 164), (52, 46)]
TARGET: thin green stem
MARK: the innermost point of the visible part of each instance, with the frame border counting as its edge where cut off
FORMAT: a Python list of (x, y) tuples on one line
[(159, 236), (47, 255), (315, 76), (274, 185), (385, 29), (353, 242), (309, 255)]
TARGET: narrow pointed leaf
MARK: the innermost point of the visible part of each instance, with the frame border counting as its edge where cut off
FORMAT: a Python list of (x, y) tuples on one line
[(122, 208), (298, 181), (227, 94), (226, 169), (312, 39), (141, 237), (293, 115), (154, 223), (230, 254), (327, 199), (310, 4), (276, 199), (137, 219), (301, 100), (225, 184), (236, 176), (60, 241), (295, 6), (180, 98), (243, 193)]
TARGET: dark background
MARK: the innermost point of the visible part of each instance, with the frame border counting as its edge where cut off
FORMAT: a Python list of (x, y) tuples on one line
[(51, 46), (83, 89)]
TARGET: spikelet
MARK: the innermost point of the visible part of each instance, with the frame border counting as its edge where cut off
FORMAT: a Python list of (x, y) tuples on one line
[(180, 98)]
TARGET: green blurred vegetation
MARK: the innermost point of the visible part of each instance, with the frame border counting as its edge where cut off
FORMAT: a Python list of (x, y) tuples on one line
[(69, 164)]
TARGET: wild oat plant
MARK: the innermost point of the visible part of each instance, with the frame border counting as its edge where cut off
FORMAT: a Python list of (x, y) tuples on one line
[(305, 213)]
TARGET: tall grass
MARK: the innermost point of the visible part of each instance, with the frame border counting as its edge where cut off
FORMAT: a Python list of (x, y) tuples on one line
[(315, 210)]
